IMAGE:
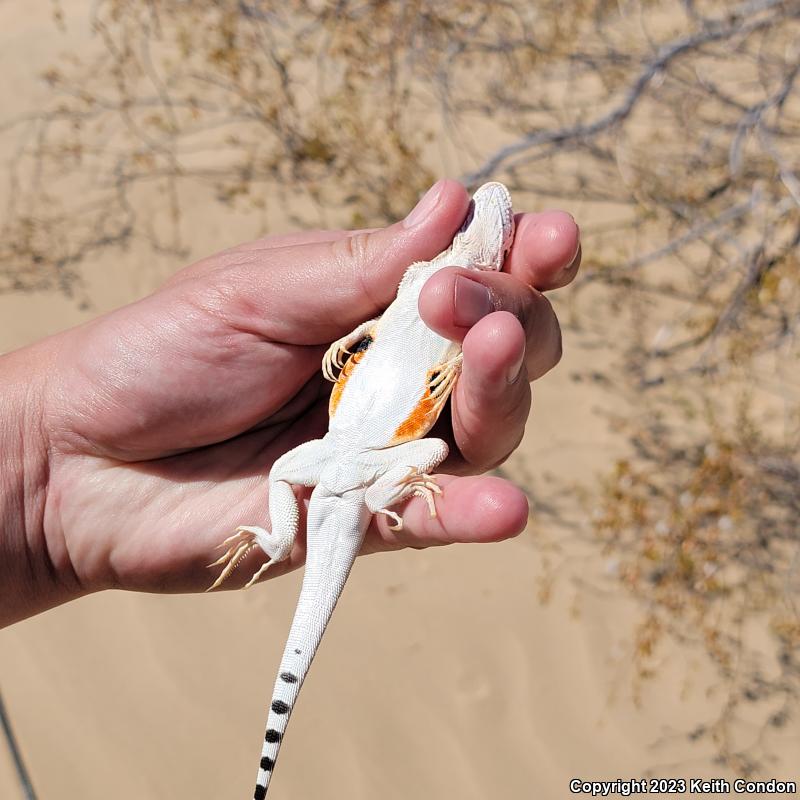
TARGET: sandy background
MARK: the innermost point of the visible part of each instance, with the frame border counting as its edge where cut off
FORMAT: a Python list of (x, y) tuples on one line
[(442, 674)]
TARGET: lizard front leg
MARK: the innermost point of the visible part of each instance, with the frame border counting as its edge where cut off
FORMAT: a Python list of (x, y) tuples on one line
[(442, 380), (406, 477), (334, 354), (301, 466)]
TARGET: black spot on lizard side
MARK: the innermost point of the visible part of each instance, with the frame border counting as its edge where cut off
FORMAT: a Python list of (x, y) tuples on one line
[(364, 344)]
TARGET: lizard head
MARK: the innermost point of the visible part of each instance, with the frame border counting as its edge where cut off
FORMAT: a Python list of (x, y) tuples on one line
[(488, 231)]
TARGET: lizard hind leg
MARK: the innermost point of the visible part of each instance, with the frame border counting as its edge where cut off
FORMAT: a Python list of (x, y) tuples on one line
[(301, 466), (277, 544), (247, 538), (408, 480)]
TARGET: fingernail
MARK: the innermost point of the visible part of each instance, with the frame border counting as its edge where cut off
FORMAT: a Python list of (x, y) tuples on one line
[(515, 369), (577, 253), (422, 209), (471, 302), (562, 274)]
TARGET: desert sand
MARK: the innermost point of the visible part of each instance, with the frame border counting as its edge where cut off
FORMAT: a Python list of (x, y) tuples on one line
[(442, 674)]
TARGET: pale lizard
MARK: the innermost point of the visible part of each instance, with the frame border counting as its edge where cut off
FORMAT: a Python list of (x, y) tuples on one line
[(388, 395)]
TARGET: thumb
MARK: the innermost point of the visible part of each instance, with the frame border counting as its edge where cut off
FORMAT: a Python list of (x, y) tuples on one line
[(368, 265), (313, 292)]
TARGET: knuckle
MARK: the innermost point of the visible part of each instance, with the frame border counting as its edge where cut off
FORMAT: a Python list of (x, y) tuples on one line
[(353, 250), (527, 309), (543, 336), (495, 444), (353, 255), (498, 462), (222, 296)]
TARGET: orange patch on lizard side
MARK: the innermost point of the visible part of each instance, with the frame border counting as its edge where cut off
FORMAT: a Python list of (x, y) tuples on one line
[(418, 422), (344, 375)]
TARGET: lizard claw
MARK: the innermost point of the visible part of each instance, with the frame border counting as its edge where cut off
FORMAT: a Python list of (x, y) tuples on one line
[(334, 359), (338, 360), (239, 545), (424, 486), (398, 520), (246, 538), (261, 570)]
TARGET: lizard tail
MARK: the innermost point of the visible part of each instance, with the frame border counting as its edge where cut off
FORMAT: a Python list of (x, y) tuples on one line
[(336, 526)]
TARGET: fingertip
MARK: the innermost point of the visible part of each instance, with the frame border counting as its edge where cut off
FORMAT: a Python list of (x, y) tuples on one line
[(494, 350), (515, 510), (546, 249), (499, 509), (445, 196)]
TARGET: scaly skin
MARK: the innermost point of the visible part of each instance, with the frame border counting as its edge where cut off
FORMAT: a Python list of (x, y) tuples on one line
[(388, 395)]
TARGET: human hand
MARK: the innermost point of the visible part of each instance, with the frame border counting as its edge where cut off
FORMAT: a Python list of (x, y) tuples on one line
[(162, 418)]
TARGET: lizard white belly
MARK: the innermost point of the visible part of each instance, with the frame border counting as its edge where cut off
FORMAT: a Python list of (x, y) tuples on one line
[(390, 382)]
